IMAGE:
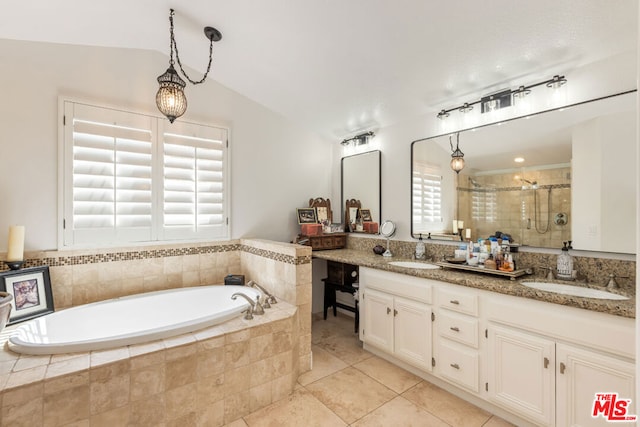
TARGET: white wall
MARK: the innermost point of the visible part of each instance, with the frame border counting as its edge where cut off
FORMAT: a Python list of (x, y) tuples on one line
[(275, 165), (614, 75)]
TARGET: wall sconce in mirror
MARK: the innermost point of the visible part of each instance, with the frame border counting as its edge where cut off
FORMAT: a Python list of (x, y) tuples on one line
[(503, 98), (360, 139), (457, 156), (170, 98)]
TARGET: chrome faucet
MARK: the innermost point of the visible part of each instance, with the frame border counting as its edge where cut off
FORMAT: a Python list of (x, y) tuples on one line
[(612, 284), (249, 310), (550, 275), (270, 299)]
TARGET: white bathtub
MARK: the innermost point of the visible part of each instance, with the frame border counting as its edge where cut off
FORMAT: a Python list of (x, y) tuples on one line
[(129, 320)]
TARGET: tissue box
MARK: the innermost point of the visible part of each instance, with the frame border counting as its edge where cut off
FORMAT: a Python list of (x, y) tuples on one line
[(311, 229), (371, 227)]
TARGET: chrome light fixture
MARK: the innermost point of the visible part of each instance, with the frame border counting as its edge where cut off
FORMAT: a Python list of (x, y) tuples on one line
[(361, 139), (457, 156), (503, 98), (170, 98)]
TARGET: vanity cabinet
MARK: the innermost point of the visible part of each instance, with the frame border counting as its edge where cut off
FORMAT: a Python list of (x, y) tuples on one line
[(397, 316), (543, 363)]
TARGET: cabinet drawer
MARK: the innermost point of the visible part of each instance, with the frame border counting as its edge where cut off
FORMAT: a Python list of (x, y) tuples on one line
[(459, 365), (458, 301), (457, 327)]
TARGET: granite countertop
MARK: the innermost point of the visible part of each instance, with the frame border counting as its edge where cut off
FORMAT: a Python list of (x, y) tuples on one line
[(479, 280)]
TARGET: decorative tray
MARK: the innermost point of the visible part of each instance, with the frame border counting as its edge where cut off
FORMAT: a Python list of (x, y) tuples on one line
[(511, 274)]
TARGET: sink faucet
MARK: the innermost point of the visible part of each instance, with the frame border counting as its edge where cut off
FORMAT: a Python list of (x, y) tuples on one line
[(549, 275), (612, 284), (270, 299), (252, 304)]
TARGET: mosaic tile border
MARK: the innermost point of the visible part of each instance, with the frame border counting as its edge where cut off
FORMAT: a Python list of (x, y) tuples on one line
[(62, 261), (287, 259)]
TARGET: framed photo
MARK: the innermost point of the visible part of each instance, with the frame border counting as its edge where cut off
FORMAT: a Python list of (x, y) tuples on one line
[(31, 290), (307, 216), (365, 214)]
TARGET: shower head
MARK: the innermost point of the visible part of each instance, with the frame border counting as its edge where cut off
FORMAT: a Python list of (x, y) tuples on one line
[(475, 183), (533, 184)]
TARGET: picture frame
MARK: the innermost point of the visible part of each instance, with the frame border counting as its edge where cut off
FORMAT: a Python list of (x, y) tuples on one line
[(365, 214), (307, 216), (31, 291)]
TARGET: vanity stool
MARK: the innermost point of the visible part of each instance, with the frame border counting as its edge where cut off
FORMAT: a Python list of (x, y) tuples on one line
[(342, 278)]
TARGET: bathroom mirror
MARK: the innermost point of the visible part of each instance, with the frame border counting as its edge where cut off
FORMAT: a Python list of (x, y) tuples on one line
[(575, 179), (361, 181)]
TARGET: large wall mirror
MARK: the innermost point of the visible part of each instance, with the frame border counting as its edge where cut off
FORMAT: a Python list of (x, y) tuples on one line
[(566, 174), (361, 181)]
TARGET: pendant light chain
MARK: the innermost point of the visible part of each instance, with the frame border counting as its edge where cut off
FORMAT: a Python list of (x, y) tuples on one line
[(174, 46)]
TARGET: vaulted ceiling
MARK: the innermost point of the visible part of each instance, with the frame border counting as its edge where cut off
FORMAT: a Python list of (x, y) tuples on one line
[(339, 66)]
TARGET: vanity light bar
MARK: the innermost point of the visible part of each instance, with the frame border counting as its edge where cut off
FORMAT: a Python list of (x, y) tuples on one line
[(363, 138), (503, 98)]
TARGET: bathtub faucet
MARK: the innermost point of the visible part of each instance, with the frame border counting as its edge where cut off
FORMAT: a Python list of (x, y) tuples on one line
[(270, 299), (248, 311)]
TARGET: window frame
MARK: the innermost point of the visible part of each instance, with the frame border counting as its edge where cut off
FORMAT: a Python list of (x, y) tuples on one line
[(158, 234)]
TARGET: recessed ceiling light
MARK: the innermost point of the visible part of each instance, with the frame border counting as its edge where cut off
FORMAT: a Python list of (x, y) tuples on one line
[(519, 159)]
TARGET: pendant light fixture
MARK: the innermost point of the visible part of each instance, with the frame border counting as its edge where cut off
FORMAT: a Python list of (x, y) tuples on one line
[(170, 98), (457, 156)]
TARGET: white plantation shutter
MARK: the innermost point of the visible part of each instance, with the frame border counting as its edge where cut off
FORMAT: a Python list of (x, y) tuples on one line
[(193, 181), (426, 196), (127, 181)]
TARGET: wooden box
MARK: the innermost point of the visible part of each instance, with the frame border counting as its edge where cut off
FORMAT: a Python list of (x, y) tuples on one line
[(341, 273), (311, 229), (370, 227)]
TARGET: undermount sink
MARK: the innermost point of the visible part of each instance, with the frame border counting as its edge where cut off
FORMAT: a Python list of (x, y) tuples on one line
[(414, 264), (578, 291)]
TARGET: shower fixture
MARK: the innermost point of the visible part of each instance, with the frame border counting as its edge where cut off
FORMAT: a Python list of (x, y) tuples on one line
[(533, 185), (475, 183)]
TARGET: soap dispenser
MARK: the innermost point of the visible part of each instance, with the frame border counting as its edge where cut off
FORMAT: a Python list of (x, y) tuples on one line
[(420, 249), (565, 263)]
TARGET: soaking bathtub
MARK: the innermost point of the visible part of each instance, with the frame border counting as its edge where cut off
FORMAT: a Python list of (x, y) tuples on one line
[(129, 320)]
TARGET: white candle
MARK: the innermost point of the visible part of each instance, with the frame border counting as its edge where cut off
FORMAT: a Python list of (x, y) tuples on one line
[(455, 226), (468, 233), (460, 225), (15, 251)]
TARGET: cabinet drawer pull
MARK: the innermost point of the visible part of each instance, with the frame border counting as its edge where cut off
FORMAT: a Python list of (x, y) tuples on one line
[(455, 329), (455, 301), (388, 310), (562, 367), (395, 312), (455, 366), (546, 362)]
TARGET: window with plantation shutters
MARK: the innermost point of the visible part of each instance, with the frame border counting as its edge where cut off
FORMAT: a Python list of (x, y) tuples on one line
[(426, 197), (131, 177), (193, 181)]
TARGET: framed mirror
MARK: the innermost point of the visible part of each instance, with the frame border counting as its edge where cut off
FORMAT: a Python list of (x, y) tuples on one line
[(560, 175), (361, 180)]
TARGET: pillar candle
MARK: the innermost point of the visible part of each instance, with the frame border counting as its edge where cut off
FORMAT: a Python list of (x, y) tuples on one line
[(455, 226), (15, 251), (460, 225), (468, 233)]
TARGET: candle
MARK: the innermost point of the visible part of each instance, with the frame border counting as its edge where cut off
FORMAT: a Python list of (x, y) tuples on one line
[(16, 243), (455, 226), (460, 225), (467, 233)]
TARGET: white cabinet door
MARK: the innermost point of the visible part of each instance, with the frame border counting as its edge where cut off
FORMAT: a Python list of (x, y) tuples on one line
[(521, 373), (412, 332), (378, 320), (580, 374)]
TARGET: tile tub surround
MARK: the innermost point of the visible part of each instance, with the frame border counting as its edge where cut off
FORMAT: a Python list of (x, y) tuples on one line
[(210, 377), (624, 308)]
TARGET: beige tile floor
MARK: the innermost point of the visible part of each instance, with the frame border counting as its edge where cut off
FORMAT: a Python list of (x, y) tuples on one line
[(349, 386)]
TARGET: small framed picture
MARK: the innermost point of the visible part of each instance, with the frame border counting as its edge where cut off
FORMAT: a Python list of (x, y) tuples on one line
[(365, 214), (31, 291), (307, 216)]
